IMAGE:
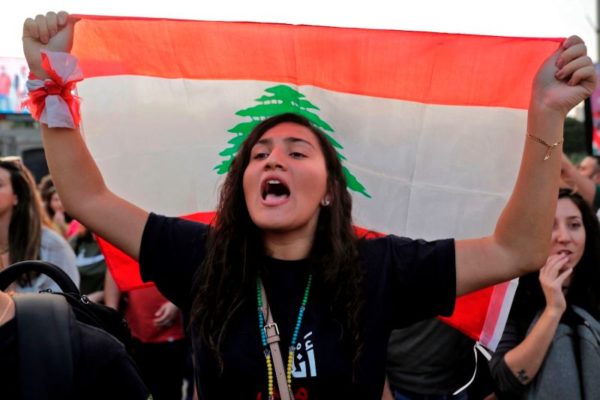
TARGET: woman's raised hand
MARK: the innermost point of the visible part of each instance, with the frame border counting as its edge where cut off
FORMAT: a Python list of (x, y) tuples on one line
[(552, 278), (53, 31), (567, 78)]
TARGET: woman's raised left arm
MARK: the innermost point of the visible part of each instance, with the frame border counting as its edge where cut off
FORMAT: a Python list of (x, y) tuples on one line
[(520, 243)]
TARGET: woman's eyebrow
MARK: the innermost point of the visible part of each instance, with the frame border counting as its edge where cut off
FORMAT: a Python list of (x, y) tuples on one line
[(570, 217), (298, 140), (291, 139)]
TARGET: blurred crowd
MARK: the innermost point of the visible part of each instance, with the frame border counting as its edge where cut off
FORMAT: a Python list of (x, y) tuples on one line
[(34, 225)]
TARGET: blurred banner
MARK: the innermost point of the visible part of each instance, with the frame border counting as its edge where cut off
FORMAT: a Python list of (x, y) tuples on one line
[(593, 108), (13, 75)]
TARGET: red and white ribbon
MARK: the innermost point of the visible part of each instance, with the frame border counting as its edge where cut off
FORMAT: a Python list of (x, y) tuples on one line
[(51, 101)]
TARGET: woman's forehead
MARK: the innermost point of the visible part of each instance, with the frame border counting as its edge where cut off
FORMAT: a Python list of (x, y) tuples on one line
[(289, 130), (566, 208)]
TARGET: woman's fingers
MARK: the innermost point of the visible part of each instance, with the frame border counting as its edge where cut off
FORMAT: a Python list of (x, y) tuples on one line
[(568, 54), (553, 264), (566, 78), (63, 18), (551, 271), (573, 65), (52, 32), (52, 23), (571, 41), (563, 275), (552, 276), (583, 75), (30, 29), (42, 26)]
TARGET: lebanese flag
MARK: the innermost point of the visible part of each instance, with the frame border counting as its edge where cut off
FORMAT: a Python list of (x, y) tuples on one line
[(595, 109), (430, 126)]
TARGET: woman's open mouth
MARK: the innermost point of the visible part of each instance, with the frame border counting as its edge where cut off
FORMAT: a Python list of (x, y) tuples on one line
[(274, 192)]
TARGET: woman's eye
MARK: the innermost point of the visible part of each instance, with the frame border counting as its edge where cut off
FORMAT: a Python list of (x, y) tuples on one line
[(296, 154), (260, 156), (575, 225)]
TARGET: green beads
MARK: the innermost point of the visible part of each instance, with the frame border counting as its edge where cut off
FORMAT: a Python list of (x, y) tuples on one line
[(292, 348)]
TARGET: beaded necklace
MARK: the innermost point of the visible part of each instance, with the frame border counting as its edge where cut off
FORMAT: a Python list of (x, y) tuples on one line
[(292, 348)]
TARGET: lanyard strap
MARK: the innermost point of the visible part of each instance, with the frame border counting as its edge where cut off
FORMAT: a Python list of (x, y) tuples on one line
[(272, 332)]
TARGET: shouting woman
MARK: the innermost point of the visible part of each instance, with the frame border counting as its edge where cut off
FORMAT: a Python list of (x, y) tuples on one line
[(283, 237)]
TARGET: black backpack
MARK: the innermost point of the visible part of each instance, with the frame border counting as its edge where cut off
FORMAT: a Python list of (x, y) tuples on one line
[(571, 367), (52, 368)]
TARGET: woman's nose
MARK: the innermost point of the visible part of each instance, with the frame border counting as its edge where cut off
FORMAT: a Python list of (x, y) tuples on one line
[(563, 234), (275, 160)]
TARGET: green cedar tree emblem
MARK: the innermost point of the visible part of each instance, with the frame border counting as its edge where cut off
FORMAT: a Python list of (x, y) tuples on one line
[(277, 100)]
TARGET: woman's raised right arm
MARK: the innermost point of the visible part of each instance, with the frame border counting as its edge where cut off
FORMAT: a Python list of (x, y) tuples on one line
[(75, 174)]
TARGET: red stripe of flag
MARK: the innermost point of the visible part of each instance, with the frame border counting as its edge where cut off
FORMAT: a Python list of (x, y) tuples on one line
[(433, 68)]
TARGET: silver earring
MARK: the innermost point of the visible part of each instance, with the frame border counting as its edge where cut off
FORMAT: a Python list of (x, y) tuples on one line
[(325, 202)]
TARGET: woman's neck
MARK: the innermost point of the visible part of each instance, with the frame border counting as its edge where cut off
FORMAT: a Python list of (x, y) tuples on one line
[(288, 246)]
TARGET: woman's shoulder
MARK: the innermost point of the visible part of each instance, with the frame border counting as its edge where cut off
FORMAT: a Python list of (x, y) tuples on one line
[(402, 246), (162, 232), (52, 239), (378, 242), (374, 238), (174, 225)]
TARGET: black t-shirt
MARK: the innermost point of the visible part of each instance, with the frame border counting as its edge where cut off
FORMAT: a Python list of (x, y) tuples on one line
[(429, 358), (102, 368), (406, 281)]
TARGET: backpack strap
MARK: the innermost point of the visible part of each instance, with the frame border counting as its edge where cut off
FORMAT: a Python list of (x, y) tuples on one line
[(588, 321), (60, 277), (44, 323)]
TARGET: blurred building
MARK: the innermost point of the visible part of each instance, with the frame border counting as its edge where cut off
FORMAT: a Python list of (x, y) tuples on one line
[(20, 136)]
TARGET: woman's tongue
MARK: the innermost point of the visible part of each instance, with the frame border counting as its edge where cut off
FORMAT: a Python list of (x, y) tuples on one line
[(275, 199), (275, 193)]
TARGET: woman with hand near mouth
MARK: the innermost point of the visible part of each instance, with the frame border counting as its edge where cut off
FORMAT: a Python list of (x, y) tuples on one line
[(570, 276), (284, 228)]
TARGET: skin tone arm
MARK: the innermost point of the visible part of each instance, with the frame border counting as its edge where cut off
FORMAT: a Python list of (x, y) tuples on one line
[(520, 242), (76, 176), (525, 359), (387, 391), (584, 186), (112, 294), (7, 308)]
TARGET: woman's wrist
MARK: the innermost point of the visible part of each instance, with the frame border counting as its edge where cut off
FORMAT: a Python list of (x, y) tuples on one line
[(547, 113), (554, 312), (52, 101), (545, 124)]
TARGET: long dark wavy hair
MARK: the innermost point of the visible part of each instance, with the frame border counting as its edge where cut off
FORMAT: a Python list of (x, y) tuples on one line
[(584, 290), (24, 231), (227, 277)]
